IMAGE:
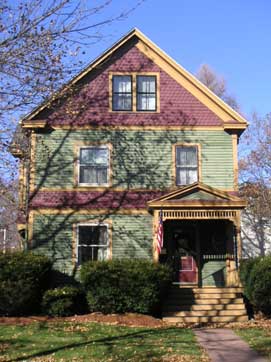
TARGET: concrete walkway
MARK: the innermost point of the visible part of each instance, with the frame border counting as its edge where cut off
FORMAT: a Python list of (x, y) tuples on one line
[(223, 345)]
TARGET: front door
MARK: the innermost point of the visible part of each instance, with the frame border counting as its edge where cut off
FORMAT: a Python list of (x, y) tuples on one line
[(185, 255), (188, 271)]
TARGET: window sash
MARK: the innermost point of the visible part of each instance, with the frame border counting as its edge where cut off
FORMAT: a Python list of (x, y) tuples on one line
[(122, 93), (146, 89), (92, 242), (186, 165), (93, 168)]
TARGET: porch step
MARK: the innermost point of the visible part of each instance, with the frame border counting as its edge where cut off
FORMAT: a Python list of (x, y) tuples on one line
[(206, 319), (205, 295), (185, 289), (204, 305), (206, 313), (179, 301)]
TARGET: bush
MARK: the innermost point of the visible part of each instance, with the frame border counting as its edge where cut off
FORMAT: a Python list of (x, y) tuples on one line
[(127, 285), (63, 302), (23, 278), (246, 267), (261, 279)]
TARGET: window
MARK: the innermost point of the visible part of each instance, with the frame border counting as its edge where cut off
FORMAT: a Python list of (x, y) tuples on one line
[(94, 165), (92, 242), (186, 165), (122, 93), (135, 92), (145, 93)]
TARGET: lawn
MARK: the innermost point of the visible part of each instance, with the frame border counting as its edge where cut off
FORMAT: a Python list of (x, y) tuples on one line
[(258, 338), (95, 342)]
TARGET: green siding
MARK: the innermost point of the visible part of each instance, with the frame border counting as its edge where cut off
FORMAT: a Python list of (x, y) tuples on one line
[(214, 273), (141, 159), (201, 195), (132, 236)]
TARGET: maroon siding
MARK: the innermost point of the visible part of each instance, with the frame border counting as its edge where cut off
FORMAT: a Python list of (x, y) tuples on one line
[(91, 104), (93, 199)]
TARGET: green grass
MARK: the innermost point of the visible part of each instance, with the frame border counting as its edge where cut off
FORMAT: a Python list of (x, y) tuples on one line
[(259, 339), (95, 343)]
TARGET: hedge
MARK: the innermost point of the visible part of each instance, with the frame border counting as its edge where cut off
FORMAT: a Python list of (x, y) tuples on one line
[(255, 275), (23, 278), (246, 267), (62, 302), (126, 285)]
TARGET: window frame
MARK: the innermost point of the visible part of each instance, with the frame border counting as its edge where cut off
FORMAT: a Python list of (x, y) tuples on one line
[(137, 93), (130, 93), (91, 224), (109, 172), (174, 161), (134, 91)]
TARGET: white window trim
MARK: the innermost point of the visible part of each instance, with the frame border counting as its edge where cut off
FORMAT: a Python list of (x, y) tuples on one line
[(108, 167), (92, 224)]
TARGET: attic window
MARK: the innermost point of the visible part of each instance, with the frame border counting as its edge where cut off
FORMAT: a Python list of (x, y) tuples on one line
[(122, 93), (186, 165), (145, 93), (134, 92)]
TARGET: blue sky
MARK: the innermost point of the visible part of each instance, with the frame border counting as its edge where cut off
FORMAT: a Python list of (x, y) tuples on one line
[(233, 37)]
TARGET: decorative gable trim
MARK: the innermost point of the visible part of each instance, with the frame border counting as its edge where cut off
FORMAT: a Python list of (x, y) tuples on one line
[(179, 198), (230, 118)]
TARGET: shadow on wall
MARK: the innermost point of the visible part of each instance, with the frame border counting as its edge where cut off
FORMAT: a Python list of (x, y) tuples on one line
[(140, 160)]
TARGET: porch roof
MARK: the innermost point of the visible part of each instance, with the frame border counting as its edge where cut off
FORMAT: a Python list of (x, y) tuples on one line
[(198, 195)]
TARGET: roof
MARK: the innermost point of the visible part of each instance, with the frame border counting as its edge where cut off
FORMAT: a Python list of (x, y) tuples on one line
[(198, 195), (230, 118)]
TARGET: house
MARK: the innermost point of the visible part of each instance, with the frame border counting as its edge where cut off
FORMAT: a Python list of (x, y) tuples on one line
[(134, 140)]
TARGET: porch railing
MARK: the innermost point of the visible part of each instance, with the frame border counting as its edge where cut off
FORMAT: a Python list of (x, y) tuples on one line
[(218, 256)]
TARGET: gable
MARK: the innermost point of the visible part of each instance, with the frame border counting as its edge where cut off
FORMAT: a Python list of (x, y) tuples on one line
[(90, 106), (181, 102), (197, 195)]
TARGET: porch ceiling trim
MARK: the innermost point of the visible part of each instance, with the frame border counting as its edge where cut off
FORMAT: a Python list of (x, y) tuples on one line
[(199, 214)]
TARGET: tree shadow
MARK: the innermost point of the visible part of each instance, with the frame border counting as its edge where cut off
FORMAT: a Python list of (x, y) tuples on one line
[(139, 339), (142, 162)]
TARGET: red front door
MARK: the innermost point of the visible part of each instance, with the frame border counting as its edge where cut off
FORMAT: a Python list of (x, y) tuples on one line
[(188, 271)]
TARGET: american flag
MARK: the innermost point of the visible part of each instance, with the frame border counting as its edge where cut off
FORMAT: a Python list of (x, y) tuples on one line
[(160, 234)]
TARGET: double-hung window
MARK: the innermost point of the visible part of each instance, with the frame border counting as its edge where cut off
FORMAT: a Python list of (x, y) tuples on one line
[(122, 93), (145, 93), (92, 242), (134, 93), (94, 166), (186, 165)]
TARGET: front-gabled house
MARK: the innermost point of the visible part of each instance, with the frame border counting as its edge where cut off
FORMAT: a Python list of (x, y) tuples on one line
[(131, 142)]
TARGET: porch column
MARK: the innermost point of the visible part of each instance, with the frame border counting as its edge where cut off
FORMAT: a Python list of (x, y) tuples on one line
[(238, 246), (232, 265), (154, 233)]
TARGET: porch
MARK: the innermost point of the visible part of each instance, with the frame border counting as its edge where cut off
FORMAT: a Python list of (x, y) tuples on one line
[(202, 253), (201, 234)]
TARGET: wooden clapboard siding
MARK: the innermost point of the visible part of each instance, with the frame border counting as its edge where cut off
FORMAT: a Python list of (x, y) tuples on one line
[(140, 159), (214, 273), (54, 235)]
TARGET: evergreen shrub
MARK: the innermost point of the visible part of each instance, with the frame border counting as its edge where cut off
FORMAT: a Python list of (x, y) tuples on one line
[(125, 285), (246, 267), (63, 302), (23, 278), (261, 281)]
